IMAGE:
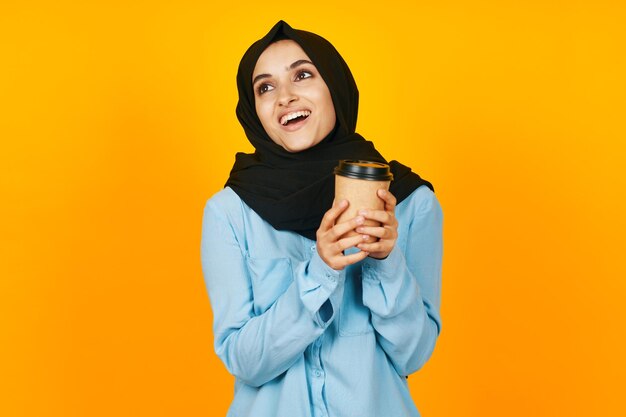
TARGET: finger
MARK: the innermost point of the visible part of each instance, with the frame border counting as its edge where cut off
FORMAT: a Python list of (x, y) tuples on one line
[(379, 232), (380, 246), (348, 242), (355, 257), (344, 227), (388, 198), (333, 213), (380, 216)]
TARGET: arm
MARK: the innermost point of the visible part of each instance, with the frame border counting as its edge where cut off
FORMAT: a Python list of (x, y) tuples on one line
[(256, 348), (403, 290)]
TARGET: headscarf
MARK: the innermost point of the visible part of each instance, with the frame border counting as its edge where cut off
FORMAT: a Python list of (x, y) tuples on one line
[(292, 191)]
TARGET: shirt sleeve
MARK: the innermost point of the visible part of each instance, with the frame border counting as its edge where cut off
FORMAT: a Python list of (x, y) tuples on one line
[(403, 291), (257, 346)]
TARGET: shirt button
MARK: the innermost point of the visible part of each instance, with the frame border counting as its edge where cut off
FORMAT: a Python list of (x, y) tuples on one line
[(318, 373), (313, 248)]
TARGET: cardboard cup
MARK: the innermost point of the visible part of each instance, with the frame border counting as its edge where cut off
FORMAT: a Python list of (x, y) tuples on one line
[(360, 189)]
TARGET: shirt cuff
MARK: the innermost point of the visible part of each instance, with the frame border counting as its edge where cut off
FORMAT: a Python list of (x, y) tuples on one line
[(324, 274), (324, 284), (376, 270)]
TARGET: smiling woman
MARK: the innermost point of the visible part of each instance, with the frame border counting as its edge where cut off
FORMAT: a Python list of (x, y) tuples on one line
[(291, 98), (312, 315)]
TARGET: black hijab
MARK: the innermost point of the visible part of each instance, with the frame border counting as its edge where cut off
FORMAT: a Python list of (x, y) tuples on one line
[(292, 191)]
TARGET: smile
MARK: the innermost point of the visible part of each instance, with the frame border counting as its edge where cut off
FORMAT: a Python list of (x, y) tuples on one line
[(295, 116)]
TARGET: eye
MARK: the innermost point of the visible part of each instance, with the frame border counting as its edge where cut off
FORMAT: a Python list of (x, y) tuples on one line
[(301, 75), (264, 88)]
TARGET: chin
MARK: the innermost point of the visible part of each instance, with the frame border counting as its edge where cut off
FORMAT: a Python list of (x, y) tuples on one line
[(298, 145), (294, 149)]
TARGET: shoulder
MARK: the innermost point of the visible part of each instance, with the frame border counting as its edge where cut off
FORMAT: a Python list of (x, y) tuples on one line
[(225, 205), (421, 201), (224, 200)]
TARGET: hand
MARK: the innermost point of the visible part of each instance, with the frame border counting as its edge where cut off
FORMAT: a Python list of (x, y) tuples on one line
[(387, 232), (330, 245)]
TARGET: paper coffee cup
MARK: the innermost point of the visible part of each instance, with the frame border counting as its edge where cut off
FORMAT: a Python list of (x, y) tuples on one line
[(358, 182)]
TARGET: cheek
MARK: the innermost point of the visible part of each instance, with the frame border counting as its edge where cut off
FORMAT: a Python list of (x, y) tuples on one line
[(264, 112), (328, 109)]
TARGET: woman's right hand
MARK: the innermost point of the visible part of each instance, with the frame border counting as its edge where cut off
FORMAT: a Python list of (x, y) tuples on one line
[(330, 244)]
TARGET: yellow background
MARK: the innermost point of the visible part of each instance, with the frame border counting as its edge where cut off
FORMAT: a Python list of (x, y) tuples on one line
[(117, 124)]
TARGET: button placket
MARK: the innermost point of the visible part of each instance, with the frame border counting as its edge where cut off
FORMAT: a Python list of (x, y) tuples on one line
[(318, 374)]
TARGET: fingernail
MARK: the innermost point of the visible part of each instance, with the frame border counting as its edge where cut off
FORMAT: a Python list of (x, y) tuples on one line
[(382, 191), (365, 237), (359, 230), (359, 220), (363, 212)]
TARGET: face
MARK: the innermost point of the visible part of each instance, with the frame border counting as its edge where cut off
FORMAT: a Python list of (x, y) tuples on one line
[(291, 98)]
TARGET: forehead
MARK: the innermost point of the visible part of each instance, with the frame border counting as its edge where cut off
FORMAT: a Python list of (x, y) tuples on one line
[(277, 57)]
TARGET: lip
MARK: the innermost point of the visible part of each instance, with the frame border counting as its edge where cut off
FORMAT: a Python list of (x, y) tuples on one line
[(293, 126), (291, 110)]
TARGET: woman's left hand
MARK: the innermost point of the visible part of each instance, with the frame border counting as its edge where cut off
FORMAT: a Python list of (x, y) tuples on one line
[(387, 232)]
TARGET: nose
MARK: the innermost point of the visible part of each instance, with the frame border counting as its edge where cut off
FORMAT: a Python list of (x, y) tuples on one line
[(286, 96)]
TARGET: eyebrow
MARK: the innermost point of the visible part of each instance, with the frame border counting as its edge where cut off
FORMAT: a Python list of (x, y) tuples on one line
[(292, 66)]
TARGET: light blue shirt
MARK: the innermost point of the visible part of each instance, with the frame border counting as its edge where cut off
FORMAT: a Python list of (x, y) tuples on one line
[(305, 340)]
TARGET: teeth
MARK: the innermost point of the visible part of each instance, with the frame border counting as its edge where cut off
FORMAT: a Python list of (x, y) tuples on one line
[(291, 116)]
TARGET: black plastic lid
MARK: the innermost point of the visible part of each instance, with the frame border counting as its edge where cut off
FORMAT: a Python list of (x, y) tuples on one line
[(364, 170)]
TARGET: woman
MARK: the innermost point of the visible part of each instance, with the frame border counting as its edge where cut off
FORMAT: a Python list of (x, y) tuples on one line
[(309, 322)]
